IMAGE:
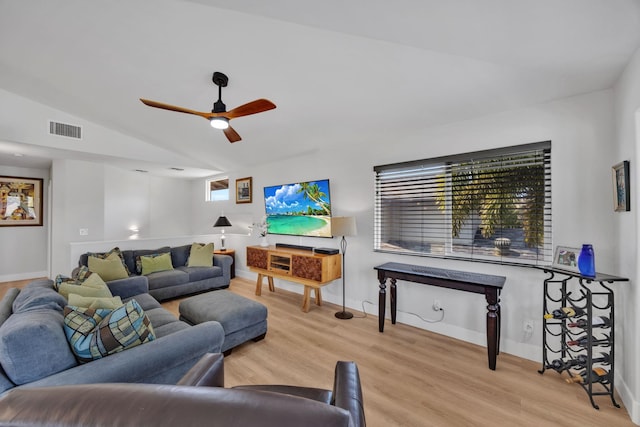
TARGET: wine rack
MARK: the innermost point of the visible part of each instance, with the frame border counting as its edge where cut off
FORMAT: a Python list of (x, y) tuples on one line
[(574, 343)]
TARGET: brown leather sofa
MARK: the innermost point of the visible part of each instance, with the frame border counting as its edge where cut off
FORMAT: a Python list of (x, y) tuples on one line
[(198, 399)]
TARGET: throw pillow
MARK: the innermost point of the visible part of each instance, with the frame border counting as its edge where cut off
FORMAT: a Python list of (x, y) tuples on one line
[(110, 268), (95, 302), (97, 333), (82, 273), (115, 251), (156, 262), (201, 255), (93, 286)]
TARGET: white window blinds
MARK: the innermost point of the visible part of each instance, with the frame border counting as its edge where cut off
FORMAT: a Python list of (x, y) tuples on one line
[(491, 206)]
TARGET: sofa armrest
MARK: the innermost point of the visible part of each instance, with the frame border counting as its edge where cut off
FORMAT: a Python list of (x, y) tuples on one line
[(347, 391), (129, 287), (208, 372), (162, 361), (224, 262)]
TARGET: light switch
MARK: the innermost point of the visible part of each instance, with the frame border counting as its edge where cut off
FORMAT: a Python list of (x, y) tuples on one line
[(84, 231)]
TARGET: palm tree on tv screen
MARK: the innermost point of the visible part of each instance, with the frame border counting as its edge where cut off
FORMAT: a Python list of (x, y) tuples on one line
[(312, 192)]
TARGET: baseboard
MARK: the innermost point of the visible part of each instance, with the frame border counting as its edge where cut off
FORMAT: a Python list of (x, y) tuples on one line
[(23, 276), (630, 403)]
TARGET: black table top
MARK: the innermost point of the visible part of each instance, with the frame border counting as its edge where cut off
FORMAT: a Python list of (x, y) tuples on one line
[(446, 274)]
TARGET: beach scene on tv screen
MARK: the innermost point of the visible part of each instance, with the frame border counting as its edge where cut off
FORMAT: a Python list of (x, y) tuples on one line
[(301, 209)]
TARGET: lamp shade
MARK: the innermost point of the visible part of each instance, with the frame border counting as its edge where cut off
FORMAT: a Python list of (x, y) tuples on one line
[(222, 221), (343, 226)]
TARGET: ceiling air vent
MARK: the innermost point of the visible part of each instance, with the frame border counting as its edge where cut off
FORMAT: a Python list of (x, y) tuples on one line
[(64, 129)]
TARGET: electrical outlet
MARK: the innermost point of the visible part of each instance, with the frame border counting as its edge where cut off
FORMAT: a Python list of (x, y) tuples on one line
[(437, 305), (84, 231)]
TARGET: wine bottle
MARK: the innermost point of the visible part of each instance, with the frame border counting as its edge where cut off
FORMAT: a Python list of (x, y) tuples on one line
[(565, 312), (598, 375), (583, 341), (560, 365), (596, 322)]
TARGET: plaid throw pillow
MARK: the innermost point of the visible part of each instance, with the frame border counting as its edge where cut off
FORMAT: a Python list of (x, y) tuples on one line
[(97, 333)]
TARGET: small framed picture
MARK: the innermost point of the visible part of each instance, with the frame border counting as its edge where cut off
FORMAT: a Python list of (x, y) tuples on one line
[(566, 258), (243, 190), (620, 178)]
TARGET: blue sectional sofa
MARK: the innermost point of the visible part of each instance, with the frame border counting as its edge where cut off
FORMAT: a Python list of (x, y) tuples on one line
[(34, 350), (181, 280)]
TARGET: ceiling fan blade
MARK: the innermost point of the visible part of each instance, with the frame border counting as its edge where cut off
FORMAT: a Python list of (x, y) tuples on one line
[(253, 107), (231, 134), (175, 108)]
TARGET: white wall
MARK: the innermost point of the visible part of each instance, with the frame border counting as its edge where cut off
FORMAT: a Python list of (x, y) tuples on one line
[(108, 202), (626, 232), (23, 250)]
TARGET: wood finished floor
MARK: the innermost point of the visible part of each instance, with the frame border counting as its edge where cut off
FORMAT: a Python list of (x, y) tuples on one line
[(410, 377)]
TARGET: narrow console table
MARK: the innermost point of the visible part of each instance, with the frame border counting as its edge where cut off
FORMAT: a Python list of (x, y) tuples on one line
[(307, 268), (486, 284)]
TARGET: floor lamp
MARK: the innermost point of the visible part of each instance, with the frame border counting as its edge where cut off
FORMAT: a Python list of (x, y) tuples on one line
[(343, 226), (222, 221)]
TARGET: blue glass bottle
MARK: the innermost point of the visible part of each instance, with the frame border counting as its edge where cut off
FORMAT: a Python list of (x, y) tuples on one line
[(587, 262)]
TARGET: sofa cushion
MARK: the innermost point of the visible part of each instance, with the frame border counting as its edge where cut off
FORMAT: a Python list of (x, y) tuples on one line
[(156, 262), (146, 301), (95, 302), (110, 268), (33, 346), (93, 286), (94, 334), (201, 255), (180, 255), (35, 298), (163, 279), (137, 253), (201, 273)]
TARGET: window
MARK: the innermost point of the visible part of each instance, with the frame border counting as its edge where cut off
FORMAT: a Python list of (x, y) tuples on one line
[(218, 189), (491, 206)]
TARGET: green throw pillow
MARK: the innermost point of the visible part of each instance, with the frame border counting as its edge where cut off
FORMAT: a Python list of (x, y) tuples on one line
[(155, 262), (97, 333), (110, 268), (105, 255), (94, 302), (201, 255), (92, 286)]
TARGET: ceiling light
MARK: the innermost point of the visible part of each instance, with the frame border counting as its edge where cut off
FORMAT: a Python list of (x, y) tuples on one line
[(219, 122)]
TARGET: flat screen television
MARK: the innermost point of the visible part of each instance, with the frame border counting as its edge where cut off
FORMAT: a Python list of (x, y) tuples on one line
[(299, 209)]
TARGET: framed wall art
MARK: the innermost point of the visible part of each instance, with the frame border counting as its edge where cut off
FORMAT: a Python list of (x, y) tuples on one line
[(566, 258), (620, 178), (20, 201), (243, 190)]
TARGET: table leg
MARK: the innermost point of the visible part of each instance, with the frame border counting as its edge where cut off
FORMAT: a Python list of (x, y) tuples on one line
[(318, 296), (493, 329), (306, 299), (272, 288), (394, 300), (382, 300), (259, 285)]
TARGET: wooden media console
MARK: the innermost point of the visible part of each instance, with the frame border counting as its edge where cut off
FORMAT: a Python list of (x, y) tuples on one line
[(307, 268)]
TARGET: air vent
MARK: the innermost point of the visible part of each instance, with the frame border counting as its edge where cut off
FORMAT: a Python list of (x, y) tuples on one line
[(64, 129)]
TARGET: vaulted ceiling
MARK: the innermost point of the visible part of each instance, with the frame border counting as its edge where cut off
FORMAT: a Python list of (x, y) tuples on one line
[(339, 72)]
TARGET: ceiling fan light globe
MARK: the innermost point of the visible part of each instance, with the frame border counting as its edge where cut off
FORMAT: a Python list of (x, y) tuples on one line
[(219, 123)]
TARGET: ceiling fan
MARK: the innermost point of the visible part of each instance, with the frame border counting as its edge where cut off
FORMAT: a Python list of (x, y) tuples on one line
[(219, 117)]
